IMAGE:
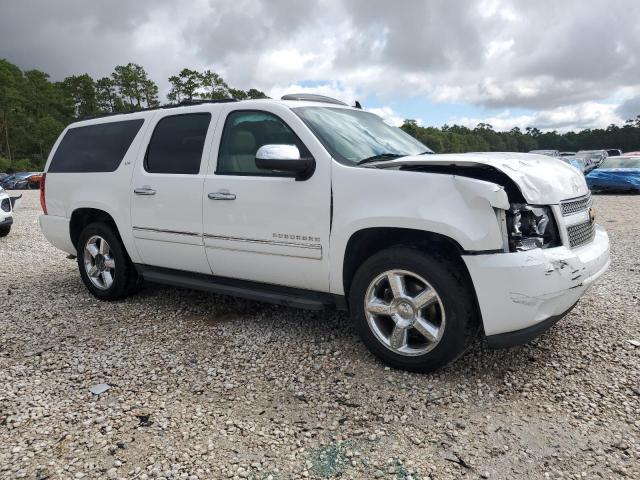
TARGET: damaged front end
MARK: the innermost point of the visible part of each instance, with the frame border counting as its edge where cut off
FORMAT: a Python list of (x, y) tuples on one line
[(553, 250)]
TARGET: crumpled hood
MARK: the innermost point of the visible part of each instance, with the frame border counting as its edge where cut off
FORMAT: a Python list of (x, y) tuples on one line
[(542, 180)]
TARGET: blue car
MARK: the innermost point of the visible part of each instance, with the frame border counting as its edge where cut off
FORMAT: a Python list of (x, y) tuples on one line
[(616, 174)]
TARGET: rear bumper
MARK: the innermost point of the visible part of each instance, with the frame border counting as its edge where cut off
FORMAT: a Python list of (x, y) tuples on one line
[(524, 293), (56, 230)]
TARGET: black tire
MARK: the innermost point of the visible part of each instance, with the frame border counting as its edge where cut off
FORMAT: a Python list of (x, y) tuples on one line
[(456, 297), (125, 278), (4, 231)]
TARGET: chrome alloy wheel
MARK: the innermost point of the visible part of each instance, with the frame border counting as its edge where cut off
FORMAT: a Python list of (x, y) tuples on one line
[(98, 262), (404, 312)]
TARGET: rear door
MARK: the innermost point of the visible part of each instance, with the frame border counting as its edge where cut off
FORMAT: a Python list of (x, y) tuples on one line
[(166, 191), (260, 225)]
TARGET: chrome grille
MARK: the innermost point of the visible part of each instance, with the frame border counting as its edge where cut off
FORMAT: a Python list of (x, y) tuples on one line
[(581, 233), (6, 205), (569, 207)]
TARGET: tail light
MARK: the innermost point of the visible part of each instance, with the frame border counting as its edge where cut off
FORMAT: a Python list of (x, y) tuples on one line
[(43, 200)]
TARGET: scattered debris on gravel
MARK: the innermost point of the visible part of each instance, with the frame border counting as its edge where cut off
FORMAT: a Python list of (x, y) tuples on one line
[(203, 386)]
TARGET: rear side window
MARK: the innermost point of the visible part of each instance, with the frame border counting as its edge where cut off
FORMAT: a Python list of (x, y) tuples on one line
[(94, 148), (177, 143)]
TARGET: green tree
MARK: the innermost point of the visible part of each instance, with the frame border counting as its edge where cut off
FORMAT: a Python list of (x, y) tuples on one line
[(255, 94), (82, 92), (238, 94), (150, 93), (215, 88), (135, 87), (184, 86), (107, 97)]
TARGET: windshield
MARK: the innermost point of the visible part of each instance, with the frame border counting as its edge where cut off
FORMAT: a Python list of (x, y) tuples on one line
[(621, 162), (354, 135)]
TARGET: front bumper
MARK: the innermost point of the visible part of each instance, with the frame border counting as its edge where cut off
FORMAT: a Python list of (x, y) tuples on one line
[(522, 294), (6, 222)]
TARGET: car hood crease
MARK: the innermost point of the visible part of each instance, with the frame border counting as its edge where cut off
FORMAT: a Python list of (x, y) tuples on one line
[(542, 180)]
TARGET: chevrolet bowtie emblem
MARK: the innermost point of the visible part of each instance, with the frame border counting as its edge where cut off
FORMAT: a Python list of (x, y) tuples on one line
[(592, 214)]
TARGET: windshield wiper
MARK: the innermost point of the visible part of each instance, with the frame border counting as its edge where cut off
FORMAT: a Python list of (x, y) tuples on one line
[(380, 156), (426, 152)]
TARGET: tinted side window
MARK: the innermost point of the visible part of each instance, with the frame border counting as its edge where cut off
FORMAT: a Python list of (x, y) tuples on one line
[(244, 133), (95, 148), (177, 143)]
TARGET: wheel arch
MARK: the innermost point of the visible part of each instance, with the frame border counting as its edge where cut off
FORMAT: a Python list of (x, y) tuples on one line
[(81, 217), (366, 242)]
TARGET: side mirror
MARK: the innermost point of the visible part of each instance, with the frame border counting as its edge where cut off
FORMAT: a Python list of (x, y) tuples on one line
[(15, 201), (285, 159)]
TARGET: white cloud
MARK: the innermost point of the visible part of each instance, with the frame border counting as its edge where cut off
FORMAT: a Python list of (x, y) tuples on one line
[(562, 119), (547, 56), (388, 115)]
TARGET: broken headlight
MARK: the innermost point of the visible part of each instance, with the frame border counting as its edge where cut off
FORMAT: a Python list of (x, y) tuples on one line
[(531, 227)]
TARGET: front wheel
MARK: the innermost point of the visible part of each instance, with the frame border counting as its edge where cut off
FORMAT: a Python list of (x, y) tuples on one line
[(414, 311), (4, 231), (104, 265)]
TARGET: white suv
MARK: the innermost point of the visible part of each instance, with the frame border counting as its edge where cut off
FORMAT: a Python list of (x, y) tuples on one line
[(6, 211), (308, 202)]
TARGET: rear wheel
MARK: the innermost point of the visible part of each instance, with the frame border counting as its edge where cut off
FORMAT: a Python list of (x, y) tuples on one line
[(104, 265), (413, 311)]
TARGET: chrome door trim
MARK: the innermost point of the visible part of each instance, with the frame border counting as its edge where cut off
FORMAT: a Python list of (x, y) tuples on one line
[(313, 246), (173, 232)]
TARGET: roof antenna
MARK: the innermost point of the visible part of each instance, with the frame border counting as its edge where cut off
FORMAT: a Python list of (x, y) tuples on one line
[(357, 105)]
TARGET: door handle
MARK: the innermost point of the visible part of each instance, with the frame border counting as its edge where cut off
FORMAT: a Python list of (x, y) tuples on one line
[(144, 191), (222, 196)]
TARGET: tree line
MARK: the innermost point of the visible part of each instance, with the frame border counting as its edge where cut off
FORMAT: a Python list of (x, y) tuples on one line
[(483, 138), (34, 110)]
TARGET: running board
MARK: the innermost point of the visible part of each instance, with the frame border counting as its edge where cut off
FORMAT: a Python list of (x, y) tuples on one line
[(261, 292)]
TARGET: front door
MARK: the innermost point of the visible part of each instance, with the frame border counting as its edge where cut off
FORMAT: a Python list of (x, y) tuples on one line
[(258, 224), (166, 197)]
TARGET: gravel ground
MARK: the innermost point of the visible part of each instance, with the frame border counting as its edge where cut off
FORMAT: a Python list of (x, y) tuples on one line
[(206, 386)]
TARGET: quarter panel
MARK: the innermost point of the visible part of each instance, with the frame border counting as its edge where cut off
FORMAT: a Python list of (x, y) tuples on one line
[(106, 191)]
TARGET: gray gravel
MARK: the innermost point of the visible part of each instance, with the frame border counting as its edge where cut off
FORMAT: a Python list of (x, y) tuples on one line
[(205, 386)]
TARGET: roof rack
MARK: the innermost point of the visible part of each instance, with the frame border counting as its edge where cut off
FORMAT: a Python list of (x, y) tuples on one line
[(312, 97), (186, 103), (183, 103)]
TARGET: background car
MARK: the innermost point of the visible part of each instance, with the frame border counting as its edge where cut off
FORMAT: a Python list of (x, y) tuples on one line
[(574, 161), (632, 154), (7, 205), (549, 153), (592, 158), (616, 174), (20, 181)]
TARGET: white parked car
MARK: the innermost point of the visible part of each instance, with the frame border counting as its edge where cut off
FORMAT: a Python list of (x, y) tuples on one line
[(548, 153), (6, 211), (592, 158), (310, 203)]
